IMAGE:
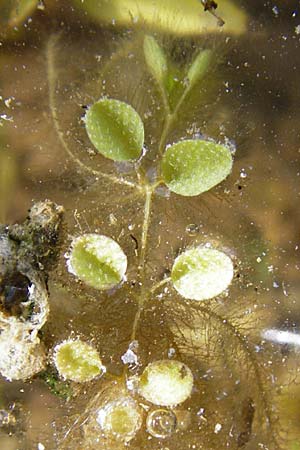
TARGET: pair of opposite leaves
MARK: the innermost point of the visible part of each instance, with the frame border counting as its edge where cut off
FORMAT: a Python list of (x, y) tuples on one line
[(199, 273), (188, 167)]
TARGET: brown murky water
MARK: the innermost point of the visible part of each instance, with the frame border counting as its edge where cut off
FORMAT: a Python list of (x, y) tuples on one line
[(242, 347)]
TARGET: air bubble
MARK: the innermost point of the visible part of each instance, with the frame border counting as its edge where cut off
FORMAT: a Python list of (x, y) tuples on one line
[(161, 423), (192, 229)]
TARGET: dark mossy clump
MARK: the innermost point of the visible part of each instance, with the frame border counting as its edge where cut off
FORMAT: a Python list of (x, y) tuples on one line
[(32, 246), (58, 387), (38, 237)]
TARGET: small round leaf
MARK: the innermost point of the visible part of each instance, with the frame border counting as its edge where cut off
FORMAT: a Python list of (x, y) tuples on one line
[(120, 418), (115, 129), (166, 382), (97, 260), (194, 166), (201, 273), (77, 361)]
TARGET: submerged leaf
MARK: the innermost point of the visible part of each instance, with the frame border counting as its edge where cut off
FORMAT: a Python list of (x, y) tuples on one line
[(166, 382), (201, 273), (120, 418), (199, 67), (97, 260), (177, 17), (194, 166), (115, 129), (20, 10), (77, 361), (155, 58)]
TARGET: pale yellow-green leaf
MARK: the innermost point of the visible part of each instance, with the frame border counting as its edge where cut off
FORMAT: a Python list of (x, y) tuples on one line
[(155, 58), (21, 10), (201, 273), (199, 67), (191, 167), (176, 16), (77, 361), (97, 260), (166, 382)]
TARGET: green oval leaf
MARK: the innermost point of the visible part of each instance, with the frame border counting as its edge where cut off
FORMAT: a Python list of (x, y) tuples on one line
[(115, 129), (201, 273), (166, 382), (77, 361), (199, 67), (155, 58), (97, 260), (194, 166)]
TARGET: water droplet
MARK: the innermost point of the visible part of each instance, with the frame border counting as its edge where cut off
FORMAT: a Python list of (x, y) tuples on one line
[(161, 423)]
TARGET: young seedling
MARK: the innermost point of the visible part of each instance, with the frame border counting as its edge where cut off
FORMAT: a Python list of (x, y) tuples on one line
[(188, 167)]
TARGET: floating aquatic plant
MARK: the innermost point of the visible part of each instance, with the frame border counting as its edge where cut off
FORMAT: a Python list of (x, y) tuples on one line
[(186, 166)]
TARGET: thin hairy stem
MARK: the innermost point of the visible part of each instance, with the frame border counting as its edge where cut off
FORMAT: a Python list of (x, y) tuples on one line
[(166, 129), (164, 99), (50, 58), (159, 284), (171, 116), (144, 295), (145, 229), (169, 122)]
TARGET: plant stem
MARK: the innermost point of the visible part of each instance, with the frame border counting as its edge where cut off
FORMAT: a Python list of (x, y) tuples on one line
[(145, 229), (142, 258), (159, 284), (167, 125), (170, 117), (50, 57)]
